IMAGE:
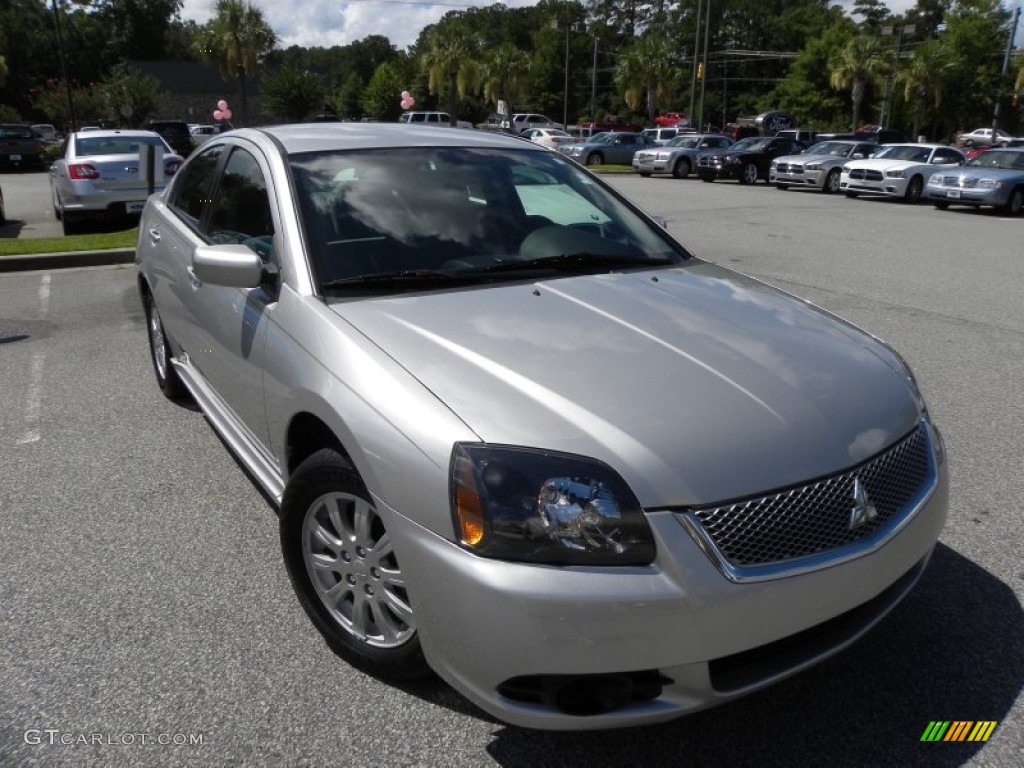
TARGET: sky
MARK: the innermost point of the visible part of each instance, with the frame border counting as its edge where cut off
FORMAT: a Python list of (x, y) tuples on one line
[(326, 23)]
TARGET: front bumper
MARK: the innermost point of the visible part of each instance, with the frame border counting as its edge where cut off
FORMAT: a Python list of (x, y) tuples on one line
[(507, 635), (995, 196), (803, 179), (894, 187), (730, 171)]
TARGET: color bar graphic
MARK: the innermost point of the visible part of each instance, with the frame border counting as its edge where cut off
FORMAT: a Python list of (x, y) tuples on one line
[(959, 730)]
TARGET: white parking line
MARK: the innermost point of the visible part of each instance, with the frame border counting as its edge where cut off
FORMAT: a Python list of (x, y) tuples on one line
[(34, 398)]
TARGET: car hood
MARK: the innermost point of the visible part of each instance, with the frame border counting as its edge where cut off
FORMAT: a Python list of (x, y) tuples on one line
[(806, 158), (885, 165), (697, 384)]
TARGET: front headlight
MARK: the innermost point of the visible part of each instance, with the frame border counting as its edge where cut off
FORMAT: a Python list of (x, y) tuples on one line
[(730, 160), (989, 184), (898, 173), (814, 166), (538, 506)]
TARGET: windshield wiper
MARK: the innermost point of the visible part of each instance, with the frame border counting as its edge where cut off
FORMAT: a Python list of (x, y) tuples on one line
[(581, 261), (401, 277)]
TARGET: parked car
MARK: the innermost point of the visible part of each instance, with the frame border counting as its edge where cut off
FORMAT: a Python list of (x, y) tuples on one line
[(984, 137), (994, 179), (747, 160), (819, 166), (898, 170), (176, 133), (47, 132), (679, 156), (20, 147), (435, 119), (609, 148), (973, 152), (874, 133), (803, 135), (552, 138), (202, 133), (518, 434), (100, 175), (672, 120), (525, 121), (661, 136), (3, 211)]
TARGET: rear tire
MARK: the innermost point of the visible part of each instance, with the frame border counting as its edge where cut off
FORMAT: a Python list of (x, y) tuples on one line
[(343, 567), (70, 225)]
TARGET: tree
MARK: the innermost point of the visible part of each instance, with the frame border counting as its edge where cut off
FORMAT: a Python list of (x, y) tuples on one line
[(853, 67), (806, 91), (292, 94), (503, 74), (452, 59), (238, 37), (382, 96), (130, 97), (923, 78), (646, 74), (344, 100)]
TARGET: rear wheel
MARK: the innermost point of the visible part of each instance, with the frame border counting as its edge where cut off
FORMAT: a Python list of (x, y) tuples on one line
[(342, 563), (71, 225), (831, 185), (1014, 203), (913, 193), (681, 169), (749, 174)]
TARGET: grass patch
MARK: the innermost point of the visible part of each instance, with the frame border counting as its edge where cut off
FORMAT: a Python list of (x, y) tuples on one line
[(99, 241)]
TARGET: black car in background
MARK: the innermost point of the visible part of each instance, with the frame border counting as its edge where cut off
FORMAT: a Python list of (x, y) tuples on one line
[(176, 133), (747, 160)]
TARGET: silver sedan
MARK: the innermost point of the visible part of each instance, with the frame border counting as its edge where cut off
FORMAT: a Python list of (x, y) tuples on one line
[(994, 179), (103, 174), (520, 436), (818, 167)]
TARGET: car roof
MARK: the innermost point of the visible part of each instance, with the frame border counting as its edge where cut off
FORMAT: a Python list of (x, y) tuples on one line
[(311, 137), (102, 133)]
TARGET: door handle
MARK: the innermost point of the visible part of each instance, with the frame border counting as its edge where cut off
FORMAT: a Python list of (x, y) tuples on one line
[(154, 236), (193, 280)]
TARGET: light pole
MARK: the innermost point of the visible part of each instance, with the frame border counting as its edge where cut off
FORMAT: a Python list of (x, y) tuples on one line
[(696, 55), (1002, 76), (704, 65), (593, 86), (578, 27), (64, 69)]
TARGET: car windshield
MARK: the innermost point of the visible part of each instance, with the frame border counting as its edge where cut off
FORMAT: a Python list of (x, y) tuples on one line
[(687, 142), (400, 218), (905, 152), (751, 143), (997, 159), (115, 145), (834, 148)]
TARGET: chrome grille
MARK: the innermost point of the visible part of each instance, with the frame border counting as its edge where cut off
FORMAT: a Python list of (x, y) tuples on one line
[(815, 518), (864, 173), (789, 168)]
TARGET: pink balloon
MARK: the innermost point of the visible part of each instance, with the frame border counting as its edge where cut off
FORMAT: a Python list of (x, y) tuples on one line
[(222, 105), (226, 114), (218, 115), (405, 95)]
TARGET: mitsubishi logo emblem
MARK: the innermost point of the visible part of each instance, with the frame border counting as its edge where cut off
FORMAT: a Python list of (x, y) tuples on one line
[(864, 510)]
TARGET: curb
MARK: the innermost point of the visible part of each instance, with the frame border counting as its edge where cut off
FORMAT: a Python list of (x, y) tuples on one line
[(67, 260)]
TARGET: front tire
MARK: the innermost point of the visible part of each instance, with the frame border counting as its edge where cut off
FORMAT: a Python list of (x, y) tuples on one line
[(344, 570), (749, 174), (831, 185), (913, 193), (681, 169), (1014, 203), (940, 205), (160, 353), (781, 187), (852, 195), (595, 158)]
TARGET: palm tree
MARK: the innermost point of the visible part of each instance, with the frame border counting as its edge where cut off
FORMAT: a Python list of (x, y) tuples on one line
[(502, 74), (646, 74), (452, 58), (923, 78), (853, 67), (238, 36), (1018, 86)]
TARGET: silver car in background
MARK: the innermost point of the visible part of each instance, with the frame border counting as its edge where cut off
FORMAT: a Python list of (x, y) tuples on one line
[(679, 155), (520, 436), (819, 166), (101, 174), (994, 179)]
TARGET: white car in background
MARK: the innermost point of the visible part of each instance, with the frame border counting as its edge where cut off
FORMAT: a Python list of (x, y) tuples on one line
[(552, 138), (985, 137), (201, 133), (899, 170), (525, 121)]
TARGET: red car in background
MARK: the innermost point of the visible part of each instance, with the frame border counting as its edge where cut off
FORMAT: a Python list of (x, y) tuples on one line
[(670, 119)]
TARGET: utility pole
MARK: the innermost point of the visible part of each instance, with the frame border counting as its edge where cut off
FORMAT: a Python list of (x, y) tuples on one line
[(64, 69), (696, 55), (704, 65), (1006, 64)]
